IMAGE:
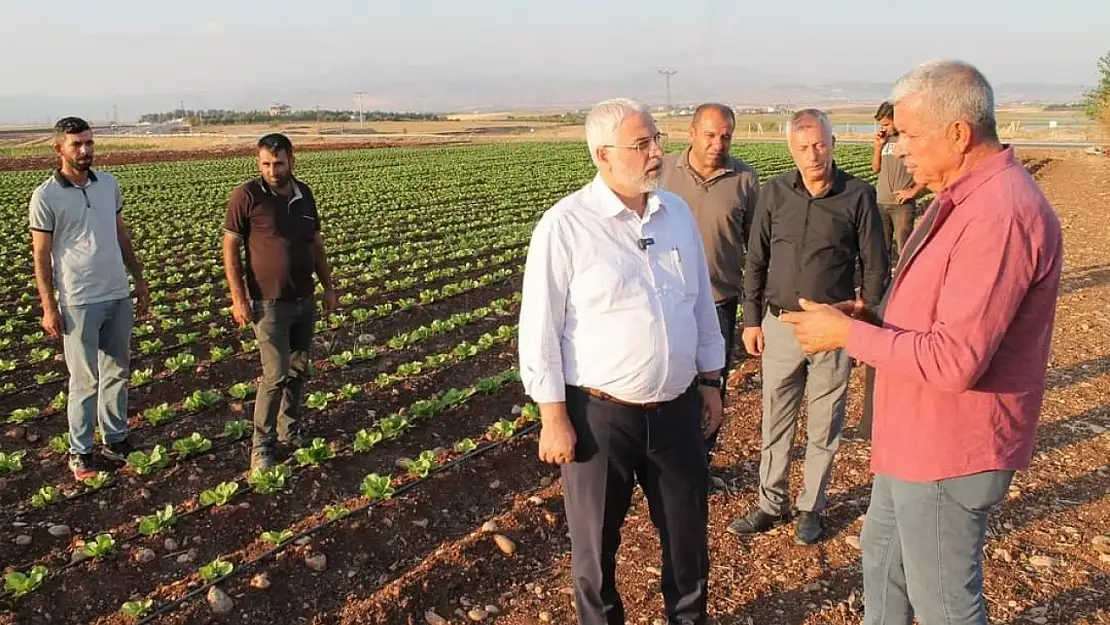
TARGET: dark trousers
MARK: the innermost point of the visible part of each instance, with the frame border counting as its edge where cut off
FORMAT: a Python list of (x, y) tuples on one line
[(284, 330), (663, 450), (726, 316)]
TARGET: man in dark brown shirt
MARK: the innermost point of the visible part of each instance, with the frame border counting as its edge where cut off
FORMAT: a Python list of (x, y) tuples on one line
[(275, 215), (721, 191)]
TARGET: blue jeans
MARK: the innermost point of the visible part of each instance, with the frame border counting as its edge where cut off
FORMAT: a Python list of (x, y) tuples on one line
[(97, 343), (923, 549)]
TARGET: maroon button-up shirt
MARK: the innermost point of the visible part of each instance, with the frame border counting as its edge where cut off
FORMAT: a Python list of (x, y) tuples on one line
[(961, 356)]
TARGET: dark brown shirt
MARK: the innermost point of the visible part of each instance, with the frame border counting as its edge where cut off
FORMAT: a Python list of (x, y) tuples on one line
[(723, 206), (279, 235)]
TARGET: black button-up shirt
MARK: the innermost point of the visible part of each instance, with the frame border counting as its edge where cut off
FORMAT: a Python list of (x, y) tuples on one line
[(805, 246)]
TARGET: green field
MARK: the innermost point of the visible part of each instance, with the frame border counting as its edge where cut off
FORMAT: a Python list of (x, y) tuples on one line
[(413, 376)]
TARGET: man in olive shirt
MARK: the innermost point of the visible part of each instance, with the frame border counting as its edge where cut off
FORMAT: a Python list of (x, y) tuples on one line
[(275, 216), (721, 191), (895, 187), (810, 226)]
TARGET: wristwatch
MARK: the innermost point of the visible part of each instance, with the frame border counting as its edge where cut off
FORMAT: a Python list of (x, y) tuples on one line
[(717, 382)]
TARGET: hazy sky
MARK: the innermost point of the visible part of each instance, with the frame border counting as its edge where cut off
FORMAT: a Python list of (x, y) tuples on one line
[(118, 47)]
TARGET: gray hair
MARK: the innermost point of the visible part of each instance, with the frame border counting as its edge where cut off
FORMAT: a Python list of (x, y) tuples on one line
[(604, 120), (805, 118), (951, 91)]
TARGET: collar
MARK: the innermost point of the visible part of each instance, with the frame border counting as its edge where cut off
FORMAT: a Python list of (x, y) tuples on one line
[(60, 178), (729, 166), (297, 195), (966, 184), (840, 180), (607, 204)]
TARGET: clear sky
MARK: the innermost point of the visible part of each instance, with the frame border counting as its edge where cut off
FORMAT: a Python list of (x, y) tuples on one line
[(153, 46)]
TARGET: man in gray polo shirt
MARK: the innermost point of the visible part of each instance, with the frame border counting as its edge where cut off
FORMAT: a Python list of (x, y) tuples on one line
[(895, 187), (83, 250), (721, 191)]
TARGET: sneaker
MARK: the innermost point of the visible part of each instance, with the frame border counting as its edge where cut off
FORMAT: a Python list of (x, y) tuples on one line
[(82, 466), (809, 528), (262, 459), (118, 450), (756, 522)]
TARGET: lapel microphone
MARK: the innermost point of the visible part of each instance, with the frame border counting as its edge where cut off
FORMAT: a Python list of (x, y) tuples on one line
[(644, 243)]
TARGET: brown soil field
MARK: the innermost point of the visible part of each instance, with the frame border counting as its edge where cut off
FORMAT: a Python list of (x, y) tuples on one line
[(440, 546)]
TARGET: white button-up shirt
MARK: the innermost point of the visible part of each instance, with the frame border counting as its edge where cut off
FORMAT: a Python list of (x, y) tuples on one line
[(598, 311)]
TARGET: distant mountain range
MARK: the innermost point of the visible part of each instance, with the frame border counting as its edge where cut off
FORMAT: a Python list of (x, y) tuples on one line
[(426, 89)]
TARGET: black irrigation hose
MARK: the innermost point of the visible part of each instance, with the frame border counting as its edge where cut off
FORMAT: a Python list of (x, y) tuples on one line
[(242, 481), (19, 514), (270, 553), (165, 350), (179, 346)]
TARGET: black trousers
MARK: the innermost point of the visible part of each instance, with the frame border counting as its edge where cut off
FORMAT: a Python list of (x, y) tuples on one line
[(726, 317), (664, 451)]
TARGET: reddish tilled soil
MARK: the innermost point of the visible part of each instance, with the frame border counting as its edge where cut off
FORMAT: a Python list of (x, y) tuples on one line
[(427, 550)]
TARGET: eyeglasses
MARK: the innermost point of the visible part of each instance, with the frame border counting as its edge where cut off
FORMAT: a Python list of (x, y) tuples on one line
[(644, 145)]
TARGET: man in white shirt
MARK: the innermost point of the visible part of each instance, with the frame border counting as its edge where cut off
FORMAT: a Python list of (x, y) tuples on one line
[(621, 348)]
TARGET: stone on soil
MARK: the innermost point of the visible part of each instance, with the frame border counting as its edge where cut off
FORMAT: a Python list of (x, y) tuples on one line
[(219, 601)]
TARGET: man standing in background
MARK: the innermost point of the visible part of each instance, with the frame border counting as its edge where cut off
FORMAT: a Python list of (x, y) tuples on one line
[(895, 189), (721, 191), (275, 217), (811, 225), (82, 248)]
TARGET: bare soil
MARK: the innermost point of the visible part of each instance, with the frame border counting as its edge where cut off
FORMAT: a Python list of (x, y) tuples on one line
[(427, 550)]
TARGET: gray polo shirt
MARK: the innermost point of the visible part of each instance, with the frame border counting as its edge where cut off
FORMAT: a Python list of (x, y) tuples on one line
[(893, 176), (88, 263), (723, 206)]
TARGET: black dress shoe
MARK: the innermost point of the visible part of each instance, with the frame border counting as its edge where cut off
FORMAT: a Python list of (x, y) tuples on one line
[(757, 522), (809, 529)]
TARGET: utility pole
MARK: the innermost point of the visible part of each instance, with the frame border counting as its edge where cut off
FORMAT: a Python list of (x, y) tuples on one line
[(359, 94), (667, 73), (115, 115)]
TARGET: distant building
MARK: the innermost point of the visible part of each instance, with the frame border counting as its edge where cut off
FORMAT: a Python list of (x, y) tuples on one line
[(280, 109)]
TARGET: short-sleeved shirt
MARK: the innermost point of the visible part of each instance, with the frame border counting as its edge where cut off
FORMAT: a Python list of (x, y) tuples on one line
[(85, 253), (279, 235), (893, 176)]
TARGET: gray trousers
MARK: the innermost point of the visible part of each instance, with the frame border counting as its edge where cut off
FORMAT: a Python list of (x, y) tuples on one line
[(284, 331), (923, 549), (787, 373), (96, 339)]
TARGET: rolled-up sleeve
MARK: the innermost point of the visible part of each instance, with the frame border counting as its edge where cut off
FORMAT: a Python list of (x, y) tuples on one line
[(547, 274)]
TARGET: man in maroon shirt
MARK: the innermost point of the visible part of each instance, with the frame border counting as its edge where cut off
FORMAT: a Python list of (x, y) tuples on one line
[(960, 346), (274, 217)]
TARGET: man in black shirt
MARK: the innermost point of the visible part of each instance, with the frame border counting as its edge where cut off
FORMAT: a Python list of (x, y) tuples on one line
[(274, 216), (810, 225)]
